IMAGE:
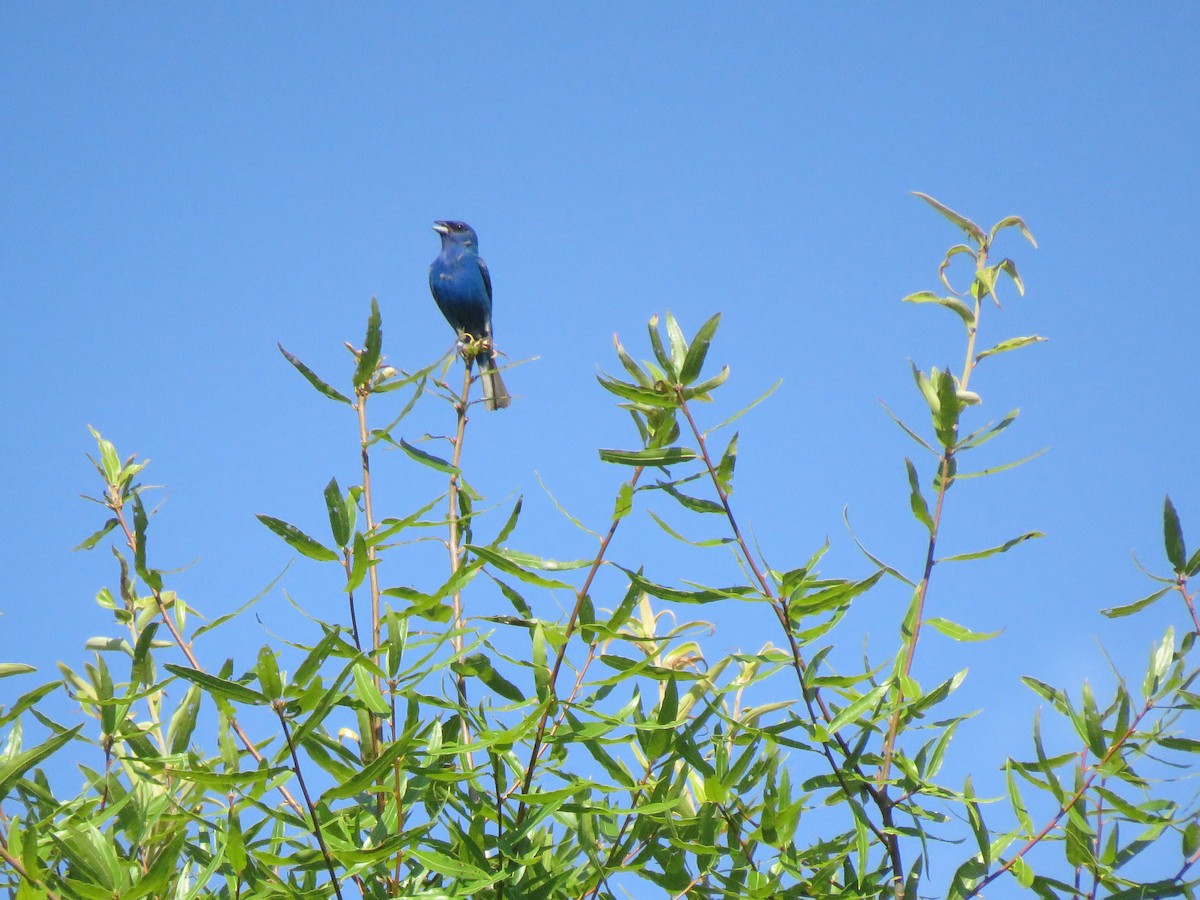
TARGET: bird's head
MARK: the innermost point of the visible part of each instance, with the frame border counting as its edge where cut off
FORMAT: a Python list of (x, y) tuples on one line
[(458, 234)]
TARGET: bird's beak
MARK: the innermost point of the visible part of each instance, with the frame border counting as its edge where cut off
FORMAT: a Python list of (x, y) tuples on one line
[(441, 228)]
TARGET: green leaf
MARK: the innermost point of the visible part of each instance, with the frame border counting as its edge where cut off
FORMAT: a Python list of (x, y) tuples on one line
[(367, 691), (630, 366), (992, 551), (700, 391), (231, 690), (368, 359), (500, 560), (339, 516), (945, 418), (961, 221), (183, 721), (679, 346), (298, 540), (857, 708), (1009, 222), (428, 459), (360, 562), (953, 304), (694, 360), (916, 500), (97, 536), (1010, 344), (624, 504), (1008, 267), (312, 378), (726, 465), (1173, 537), (268, 673), (140, 525), (695, 504), (659, 397), (657, 346), (541, 672), (110, 462), (655, 456), (957, 632), (1116, 612), (7, 669), (14, 766)]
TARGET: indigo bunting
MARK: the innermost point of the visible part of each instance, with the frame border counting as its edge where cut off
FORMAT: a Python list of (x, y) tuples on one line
[(462, 287)]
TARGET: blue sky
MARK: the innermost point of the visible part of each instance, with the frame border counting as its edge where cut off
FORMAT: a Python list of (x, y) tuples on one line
[(184, 186)]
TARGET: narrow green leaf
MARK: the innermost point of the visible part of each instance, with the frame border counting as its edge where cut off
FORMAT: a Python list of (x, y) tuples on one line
[(694, 360), (992, 551), (657, 346), (502, 561), (1010, 344), (427, 459), (695, 504), (916, 500), (183, 721), (7, 669), (97, 536), (912, 434), (15, 766), (1173, 537), (1008, 267), (700, 391), (313, 379), (1009, 222), (372, 348), (679, 346), (961, 221), (1116, 612), (630, 366), (726, 466), (339, 516), (298, 540), (223, 687), (541, 672), (624, 504), (953, 304), (268, 673), (367, 691), (857, 709), (1093, 726), (655, 456), (945, 419), (658, 397), (957, 632), (360, 561)]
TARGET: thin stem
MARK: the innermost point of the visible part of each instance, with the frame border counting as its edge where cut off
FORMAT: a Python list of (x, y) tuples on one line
[(1066, 807), (20, 870), (456, 634), (944, 481), (572, 621), (278, 706), (360, 407), (811, 695), (347, 564)]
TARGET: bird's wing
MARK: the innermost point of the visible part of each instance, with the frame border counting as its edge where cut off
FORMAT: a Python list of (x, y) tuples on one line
[(487, 278)]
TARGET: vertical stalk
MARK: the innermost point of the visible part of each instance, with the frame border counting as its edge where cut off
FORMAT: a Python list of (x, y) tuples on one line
[(360, 407), (944, 479), (456, 635)]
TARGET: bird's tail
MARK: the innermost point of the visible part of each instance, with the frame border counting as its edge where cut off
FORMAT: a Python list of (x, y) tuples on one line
[(495, 394)]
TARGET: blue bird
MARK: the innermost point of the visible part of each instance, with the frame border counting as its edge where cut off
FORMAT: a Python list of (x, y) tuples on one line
[(462, 287)]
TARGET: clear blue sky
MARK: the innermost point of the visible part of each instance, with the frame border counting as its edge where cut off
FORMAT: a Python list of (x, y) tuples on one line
[(185, 185)]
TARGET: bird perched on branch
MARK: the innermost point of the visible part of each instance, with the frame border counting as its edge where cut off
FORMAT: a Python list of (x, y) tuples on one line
[(462, 287)]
